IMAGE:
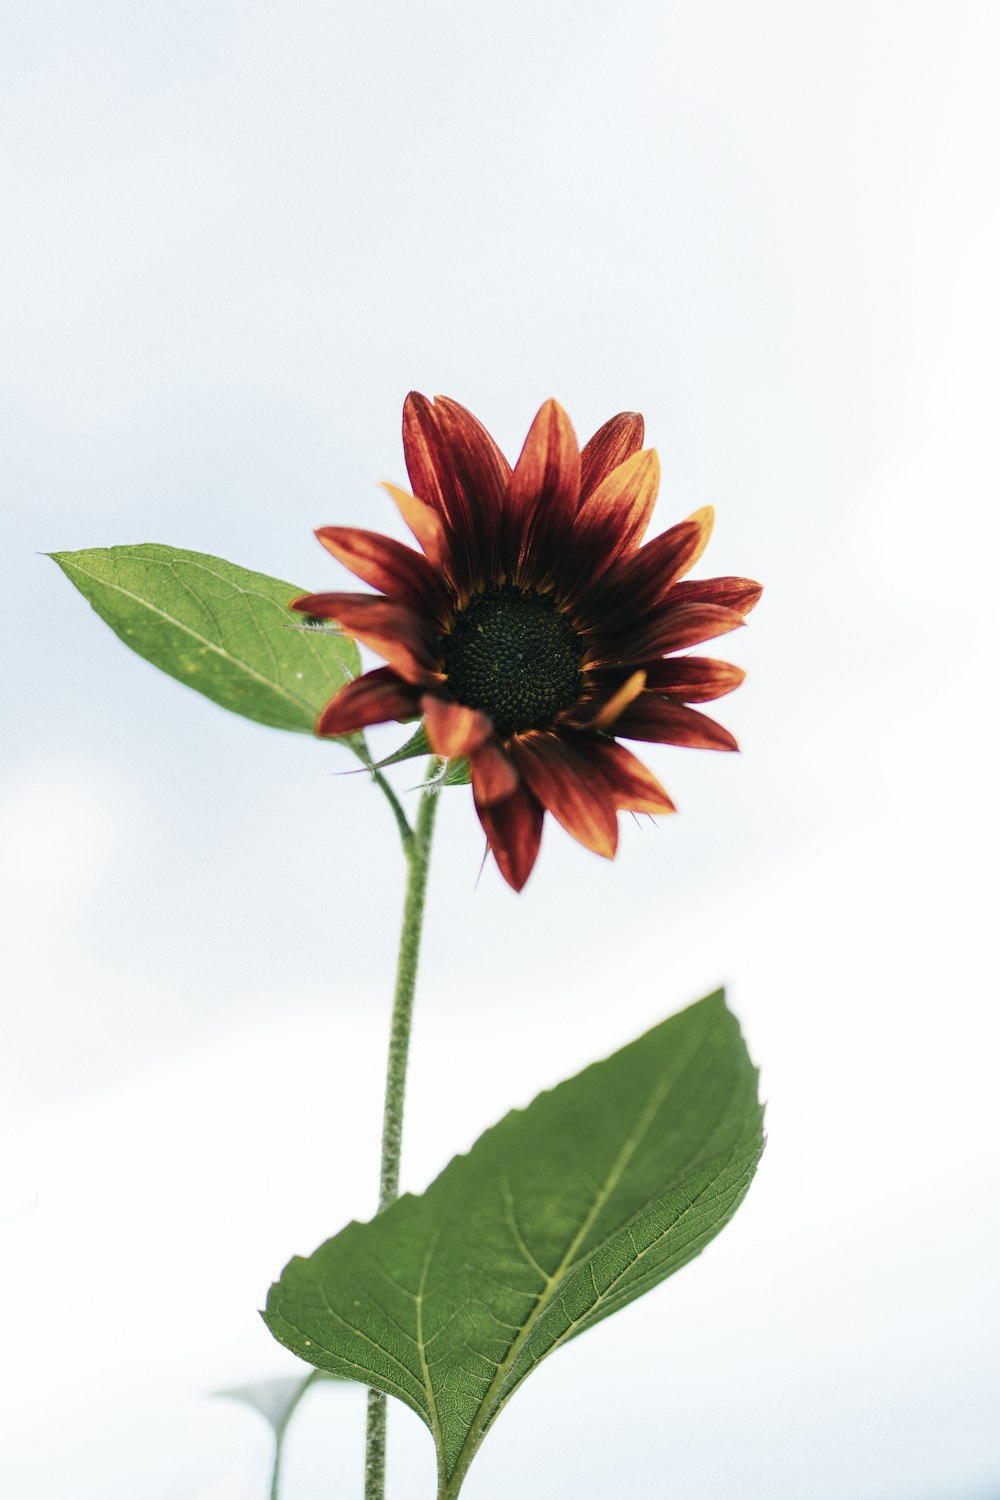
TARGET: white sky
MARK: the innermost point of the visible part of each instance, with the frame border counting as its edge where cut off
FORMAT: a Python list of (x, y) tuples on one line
[(235, 236)]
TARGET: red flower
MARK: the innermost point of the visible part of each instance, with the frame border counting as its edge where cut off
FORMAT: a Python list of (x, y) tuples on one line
[(533, 630)]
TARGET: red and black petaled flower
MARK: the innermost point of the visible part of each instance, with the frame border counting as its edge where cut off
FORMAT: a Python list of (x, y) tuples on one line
[(534, 631)]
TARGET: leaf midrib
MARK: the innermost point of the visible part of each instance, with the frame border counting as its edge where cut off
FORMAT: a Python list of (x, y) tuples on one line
[(724, 1163), (629, 1146), (196, 635)]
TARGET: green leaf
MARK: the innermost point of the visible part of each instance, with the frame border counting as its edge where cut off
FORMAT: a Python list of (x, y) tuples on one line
[(221, 629), (274, 1399), (453, 772), (417, 744), (457, 773), (559, 1215)]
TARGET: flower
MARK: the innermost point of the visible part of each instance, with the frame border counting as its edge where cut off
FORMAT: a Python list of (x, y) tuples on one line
[(534, 631)]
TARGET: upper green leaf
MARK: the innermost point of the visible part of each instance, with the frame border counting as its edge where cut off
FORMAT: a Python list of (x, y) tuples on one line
[(218, 628), (559, 1215)]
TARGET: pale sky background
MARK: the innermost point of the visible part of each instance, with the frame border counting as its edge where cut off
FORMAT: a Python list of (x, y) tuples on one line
[(235, 236)]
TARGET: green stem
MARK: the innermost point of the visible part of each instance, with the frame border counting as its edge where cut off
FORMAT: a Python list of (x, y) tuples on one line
[(418, 857), (359, 745), (416, 843)]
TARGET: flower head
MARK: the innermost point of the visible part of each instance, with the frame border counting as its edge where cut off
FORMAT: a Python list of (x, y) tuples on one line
[(533, 630)]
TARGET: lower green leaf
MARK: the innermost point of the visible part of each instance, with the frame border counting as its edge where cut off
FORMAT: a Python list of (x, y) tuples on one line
[(275, 1399), (559, 1215)]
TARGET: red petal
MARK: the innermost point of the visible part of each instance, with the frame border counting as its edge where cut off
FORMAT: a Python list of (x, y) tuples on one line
[(456, 467), (452, 728), (375, 698), (693, 679), (544, 490), (395, 570), (639, 583), (610, 446), (570, 787), (734, 593), (426, 525), (405, 640), (652, 718), (671, 630), (633, 785), (613, 520), (494, 778), (514, 831)]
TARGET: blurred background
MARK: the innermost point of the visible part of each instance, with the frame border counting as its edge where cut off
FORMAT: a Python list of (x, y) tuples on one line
[(235, 236)]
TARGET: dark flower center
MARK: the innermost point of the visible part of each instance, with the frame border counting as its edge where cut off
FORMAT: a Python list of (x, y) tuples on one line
[(512, 653)]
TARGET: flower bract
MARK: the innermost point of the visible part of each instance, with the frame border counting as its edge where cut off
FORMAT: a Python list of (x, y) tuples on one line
[(534, 630)]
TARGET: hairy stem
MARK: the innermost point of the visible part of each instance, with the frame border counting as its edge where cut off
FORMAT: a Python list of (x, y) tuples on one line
[(416, 843), (359, 745), (418, 857)]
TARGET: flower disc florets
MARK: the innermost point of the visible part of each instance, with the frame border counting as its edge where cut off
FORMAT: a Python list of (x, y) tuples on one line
[(534, 630), (513, 653)]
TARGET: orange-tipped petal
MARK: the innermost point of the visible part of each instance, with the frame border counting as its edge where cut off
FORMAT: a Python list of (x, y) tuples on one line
[(513, 830), (544, 489), (452, 728), (395, 632), (704, 519), (734, 593), (693, 679), (610, 446), (613, 520), (396, 571), (602, 714), (494, 777), (638, 585), (426, 525), (571, 788), (376, 698), (652, 718)]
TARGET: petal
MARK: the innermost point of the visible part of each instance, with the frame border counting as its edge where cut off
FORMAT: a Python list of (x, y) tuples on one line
[(671, 630), (514, 831), (570, 787), (652, 718), (613, 520), (494, 777), (396, 571), (693, 679), (734, 593), (610, 446), (705, 519), (639, 583), (602, 712), (375, 698), (426, 525), (399, 634), (452, 728), (544, 490), (456, 467), (633, 785)]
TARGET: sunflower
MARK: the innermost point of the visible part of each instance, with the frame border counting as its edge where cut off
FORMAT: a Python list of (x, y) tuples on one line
[(534, 631)]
